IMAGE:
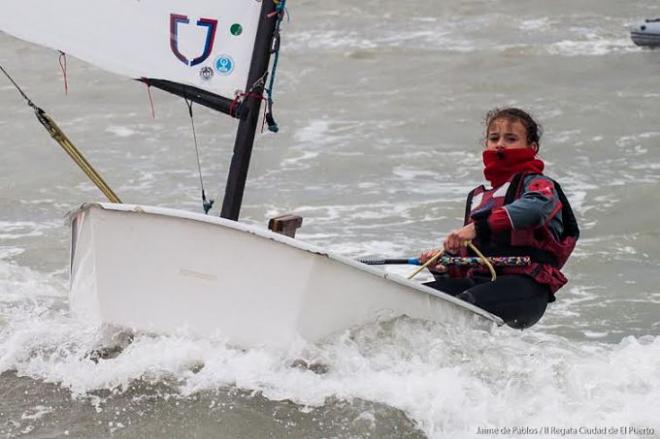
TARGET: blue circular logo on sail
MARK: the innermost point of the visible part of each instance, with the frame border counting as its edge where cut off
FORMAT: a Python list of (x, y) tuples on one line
[(224, 65)]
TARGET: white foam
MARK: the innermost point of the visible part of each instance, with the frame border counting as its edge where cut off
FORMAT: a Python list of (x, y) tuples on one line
[(595, 47), (315, 132), (372, 248), (23, 284), (10, 252), (448, 380), (120, 131), (328, 39), (594, 334), (301, 161), (23, 229), (535, 24), (408, 173), (36, 412)]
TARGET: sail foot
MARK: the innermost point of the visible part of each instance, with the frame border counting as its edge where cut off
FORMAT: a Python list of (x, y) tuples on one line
[(199, 96)]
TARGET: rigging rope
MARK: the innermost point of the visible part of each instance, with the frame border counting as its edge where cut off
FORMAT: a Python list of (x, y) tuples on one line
[(280, 10), (62, 61), (493, 274), (429, 262), (207, 204), (61, 138), (239, 98), (151, 102)]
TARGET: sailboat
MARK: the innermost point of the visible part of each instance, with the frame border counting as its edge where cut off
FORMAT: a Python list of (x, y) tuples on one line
[(165, 270)]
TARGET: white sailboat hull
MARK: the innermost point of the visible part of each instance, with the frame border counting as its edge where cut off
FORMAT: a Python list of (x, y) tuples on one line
[(164, 270)]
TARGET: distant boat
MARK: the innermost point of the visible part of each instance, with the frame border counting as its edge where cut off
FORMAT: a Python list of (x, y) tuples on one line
[(646, 34)]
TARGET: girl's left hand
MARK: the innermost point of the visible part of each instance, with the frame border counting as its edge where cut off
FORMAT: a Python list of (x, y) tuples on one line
[(456, 239), (428, 254)]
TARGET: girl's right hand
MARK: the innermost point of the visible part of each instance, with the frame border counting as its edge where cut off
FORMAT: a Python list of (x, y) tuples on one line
[(428, 254), (459, 238)]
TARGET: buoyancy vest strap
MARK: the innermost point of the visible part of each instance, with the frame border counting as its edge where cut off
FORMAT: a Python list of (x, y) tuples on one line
[(515, 188), (571, 227), (468, 206)]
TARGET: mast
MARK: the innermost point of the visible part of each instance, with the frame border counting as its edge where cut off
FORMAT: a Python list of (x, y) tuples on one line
[(247, 126)]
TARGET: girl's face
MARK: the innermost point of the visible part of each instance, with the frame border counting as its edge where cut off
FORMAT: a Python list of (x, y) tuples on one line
[(507, 134)]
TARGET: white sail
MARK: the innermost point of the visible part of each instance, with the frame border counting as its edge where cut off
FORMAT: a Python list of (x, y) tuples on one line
[(203, 43)]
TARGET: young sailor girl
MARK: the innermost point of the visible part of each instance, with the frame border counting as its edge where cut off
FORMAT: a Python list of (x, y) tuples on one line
[(524, 213)]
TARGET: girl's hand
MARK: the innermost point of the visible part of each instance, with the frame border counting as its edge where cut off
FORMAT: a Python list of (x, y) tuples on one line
[(456, 239), (428, 254)]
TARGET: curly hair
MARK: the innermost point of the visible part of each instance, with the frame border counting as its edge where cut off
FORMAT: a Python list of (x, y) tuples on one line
[(534, 129)]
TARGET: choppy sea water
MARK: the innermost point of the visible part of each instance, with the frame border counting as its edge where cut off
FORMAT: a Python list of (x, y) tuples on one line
[(380, 106)]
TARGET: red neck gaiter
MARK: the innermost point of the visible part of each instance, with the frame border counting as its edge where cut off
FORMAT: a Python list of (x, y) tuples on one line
[(502, 164)]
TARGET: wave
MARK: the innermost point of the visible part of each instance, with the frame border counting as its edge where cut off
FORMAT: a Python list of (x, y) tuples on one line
[(448, 380)]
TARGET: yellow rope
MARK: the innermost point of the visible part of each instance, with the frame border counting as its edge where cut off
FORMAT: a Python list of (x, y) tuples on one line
[(485, 261), (483, 258), (429, 262), (61, 138)]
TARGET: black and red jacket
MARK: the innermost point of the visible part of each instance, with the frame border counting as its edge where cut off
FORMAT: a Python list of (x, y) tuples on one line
[(528, 215)]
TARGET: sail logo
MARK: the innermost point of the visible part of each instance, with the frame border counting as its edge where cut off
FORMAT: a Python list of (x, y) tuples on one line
[(224, 65), (209, 24), (206, 73)]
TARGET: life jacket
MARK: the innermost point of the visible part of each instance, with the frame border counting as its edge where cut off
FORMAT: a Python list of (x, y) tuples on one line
[(548, 252)]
